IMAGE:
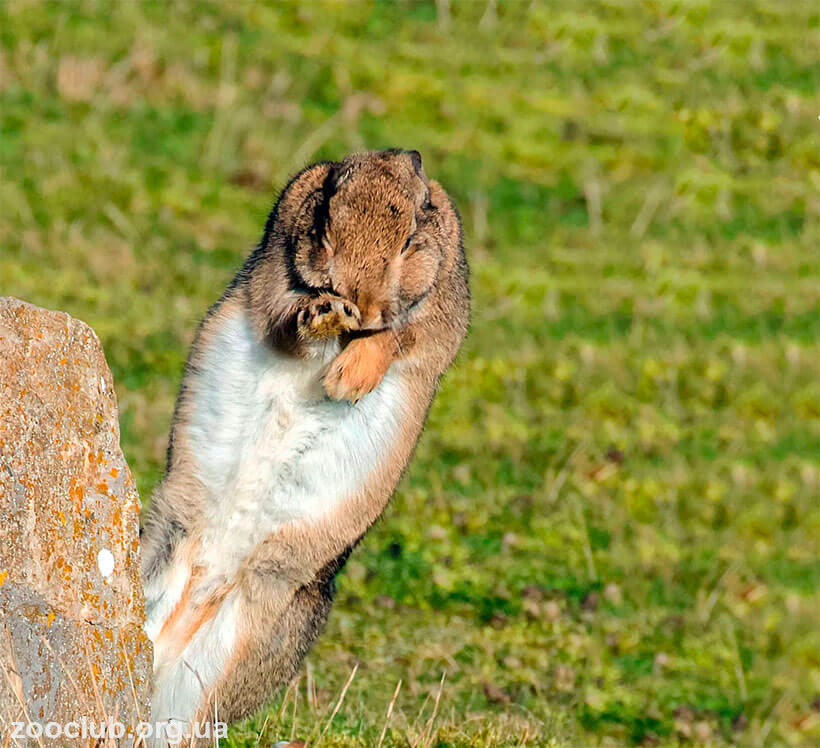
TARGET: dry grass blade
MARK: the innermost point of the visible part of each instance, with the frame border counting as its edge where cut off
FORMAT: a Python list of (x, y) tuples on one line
[(109, 742), (592, 192), (767, 725), (225, 97), (285, 700), (557, 484), (16, 689), (97, 696), (19, 698), (310, 689), (389, 713), (706, 610), (315, 140), (647, 212), (339, 702), (216, 716), (429, 725), (68, 673), (413, 742), (204, 690), (131, 681), (262, 731), (4, 723), (295, 704), (587, 546), (741, 677), (443, 14), (490, 17)]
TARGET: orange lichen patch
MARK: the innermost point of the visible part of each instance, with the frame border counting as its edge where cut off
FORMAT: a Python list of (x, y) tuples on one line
[(62, 518), (114, 472), (3, 576), (51, 618), (76, 493)]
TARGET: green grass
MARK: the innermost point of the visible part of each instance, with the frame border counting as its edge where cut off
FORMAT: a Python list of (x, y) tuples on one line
[(610, 531)]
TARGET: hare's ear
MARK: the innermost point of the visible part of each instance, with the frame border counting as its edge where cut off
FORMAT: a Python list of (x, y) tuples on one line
[(303, 206)]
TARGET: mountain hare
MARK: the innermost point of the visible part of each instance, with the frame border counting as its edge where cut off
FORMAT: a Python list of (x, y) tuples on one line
[(304, 395)]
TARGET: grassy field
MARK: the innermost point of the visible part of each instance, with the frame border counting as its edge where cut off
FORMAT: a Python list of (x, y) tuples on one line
[(609, 535)]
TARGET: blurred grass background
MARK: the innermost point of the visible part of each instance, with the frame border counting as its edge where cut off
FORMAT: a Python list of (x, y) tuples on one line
[(610, 532)]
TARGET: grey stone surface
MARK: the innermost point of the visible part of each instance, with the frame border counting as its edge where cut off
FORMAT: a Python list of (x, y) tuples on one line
[(71, 602)]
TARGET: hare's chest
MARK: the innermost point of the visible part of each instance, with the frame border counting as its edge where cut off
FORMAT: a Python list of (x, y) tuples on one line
[(269, 447)]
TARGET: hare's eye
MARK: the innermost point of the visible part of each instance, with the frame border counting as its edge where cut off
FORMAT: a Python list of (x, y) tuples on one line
[(407, 244)]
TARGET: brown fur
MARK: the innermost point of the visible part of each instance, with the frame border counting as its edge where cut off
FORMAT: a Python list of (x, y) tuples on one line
[(367, 249)]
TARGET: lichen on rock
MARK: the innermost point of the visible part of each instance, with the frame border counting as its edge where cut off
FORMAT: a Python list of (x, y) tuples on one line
[(71, 601)]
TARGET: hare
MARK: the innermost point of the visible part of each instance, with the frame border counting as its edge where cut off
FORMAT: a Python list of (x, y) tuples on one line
[(305, 392)]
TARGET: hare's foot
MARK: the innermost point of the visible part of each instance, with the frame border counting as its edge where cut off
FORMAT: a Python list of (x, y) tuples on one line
[(358, 369), (327, 316)]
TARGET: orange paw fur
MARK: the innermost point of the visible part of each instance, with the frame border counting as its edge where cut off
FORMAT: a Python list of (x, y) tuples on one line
[(358, 369)]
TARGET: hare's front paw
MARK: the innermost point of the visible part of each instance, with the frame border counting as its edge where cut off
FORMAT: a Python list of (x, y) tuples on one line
[(358, 369), (327, 316)]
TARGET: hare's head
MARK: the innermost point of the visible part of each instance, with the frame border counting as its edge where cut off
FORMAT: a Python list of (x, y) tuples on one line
[(369, 229)]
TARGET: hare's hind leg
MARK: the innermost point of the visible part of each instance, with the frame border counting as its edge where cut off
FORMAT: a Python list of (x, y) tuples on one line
[(272, 659), (192, 652)]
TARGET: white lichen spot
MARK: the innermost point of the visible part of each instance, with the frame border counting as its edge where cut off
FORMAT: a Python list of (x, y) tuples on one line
[(105, 562)]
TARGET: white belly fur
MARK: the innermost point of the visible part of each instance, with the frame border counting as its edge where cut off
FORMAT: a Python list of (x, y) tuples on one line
[(269, 448)]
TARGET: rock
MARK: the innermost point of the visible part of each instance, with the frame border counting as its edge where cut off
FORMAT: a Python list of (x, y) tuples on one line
[(71, 601)]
